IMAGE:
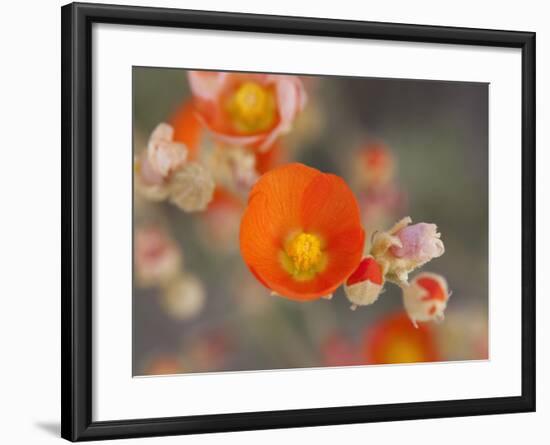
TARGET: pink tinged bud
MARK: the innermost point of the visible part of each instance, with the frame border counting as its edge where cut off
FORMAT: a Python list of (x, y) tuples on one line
[(164, 155), (420, 243), (365, 284), (426, 297), (157, 257), (148, 174)]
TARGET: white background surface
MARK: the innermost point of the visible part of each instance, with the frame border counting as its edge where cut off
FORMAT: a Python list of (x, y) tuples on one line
[(30, 236), (117, 48)]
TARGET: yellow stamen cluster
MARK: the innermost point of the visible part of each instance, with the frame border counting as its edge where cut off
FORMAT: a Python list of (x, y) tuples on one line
[(252, 108), (403, 350), (303, 256)]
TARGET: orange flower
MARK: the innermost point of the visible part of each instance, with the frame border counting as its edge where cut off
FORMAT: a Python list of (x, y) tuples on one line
[(247, 109), (394, 339), (301, 234)]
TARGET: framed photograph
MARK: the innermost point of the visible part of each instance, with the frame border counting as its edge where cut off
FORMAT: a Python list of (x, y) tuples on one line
[(275, 222)]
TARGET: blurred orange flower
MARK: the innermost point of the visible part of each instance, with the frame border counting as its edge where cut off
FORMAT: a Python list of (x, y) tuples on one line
[(187, 128), (376, 163), (301, 234), (394, 339), (163, 365), (247, 109)]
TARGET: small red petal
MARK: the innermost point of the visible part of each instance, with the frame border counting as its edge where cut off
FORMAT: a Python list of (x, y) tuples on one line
[(432, 310), (368, 269), (435, 291)]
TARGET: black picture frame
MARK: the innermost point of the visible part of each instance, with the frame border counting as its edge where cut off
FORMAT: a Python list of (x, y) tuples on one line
[(77, 238)]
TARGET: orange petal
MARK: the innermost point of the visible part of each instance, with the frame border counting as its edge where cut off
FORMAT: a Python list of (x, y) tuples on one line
[(368, 270), (330, 209), (282, 188), (329, 206), (434, 288), (272, 213), (187, 128)]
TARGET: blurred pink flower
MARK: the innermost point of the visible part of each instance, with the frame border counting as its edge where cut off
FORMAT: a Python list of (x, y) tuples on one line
[(154, 167), (163, 155), (420, 242), (247, 109), (404, 248), (338, 350), (380, 203), (211, 351), (374, 164), (157, 257)]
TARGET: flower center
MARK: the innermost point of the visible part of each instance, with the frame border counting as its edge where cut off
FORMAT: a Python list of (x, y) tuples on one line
[(303, 256), (252, 108), (403, 350)]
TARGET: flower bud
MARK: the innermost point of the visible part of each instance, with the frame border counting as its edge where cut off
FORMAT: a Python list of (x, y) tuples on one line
[(365, 284), (420, 243), (425, 298), (404, 248), (164, 155), (148, 182), (192, 187), (234, 167)]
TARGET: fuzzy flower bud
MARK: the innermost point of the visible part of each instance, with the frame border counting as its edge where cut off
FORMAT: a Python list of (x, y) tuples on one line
[(425, 298), (164, 155), (148, 182), (420, 243), (365, 284), (405, 247), (192, 187), (234, 167)]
